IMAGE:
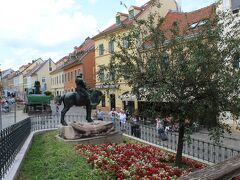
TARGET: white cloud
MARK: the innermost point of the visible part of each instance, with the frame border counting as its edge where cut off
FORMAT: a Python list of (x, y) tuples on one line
[(44, 22), (93, 2), (25, 55), (41, 28)]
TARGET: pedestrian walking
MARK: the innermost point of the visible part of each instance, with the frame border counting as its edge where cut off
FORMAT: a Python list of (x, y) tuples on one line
[(113, 115), (135, 128), (160, 129), (100, 114), (122, 118)]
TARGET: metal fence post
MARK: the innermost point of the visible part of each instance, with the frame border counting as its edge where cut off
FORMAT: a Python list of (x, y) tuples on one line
[(0, 116), (15, 112)]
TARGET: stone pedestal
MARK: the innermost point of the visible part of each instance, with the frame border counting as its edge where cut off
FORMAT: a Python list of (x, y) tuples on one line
[(67, 132), (85, 129), (113, 137)]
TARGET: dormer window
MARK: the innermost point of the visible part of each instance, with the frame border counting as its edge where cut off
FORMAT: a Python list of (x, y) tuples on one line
[(198, 24), (236, 61), (120, 17), (131, 14), (125, 42), (193, 25), (118, 20)]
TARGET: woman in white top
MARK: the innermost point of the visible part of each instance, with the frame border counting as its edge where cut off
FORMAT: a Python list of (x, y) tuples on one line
[(122, 118)]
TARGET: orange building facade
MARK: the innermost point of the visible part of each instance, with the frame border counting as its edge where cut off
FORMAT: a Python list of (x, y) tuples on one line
[(81, 61)]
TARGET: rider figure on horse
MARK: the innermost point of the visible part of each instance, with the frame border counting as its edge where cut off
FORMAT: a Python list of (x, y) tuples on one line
[(81, 88)]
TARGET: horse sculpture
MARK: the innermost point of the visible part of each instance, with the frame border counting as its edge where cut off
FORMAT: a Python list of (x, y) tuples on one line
[(73, 98)]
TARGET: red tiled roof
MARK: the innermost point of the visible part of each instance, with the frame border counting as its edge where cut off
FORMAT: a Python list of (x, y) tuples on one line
[(123, 14), (86, 45), (84, 48), (61, 60), (184, 20), (136, 7)]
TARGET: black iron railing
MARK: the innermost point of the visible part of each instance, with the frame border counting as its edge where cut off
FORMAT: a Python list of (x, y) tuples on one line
[(196, 148), (11, 141)]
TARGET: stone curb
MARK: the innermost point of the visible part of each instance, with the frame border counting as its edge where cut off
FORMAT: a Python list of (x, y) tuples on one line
[(13, 171)]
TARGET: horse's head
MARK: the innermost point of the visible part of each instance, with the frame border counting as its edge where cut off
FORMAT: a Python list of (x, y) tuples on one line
[(58, 100), (96, 97)]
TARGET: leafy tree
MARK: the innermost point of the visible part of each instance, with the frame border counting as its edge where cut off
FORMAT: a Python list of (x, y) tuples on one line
[(193, 69)]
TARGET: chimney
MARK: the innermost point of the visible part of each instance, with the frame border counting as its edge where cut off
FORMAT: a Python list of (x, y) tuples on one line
[(179, 5)]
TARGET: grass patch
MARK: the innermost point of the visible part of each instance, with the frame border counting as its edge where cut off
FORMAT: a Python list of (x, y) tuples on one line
[(49, 159)]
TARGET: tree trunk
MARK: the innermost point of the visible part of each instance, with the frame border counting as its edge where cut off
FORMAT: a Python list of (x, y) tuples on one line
[(178, 161)]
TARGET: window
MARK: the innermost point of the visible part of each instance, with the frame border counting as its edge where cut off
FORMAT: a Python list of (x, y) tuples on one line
[(101, 49), (235, 6), (236, 60), (57, 79), (71, 76), (43, 79), (75, 74), (79, 71), (202, 22), (103, 101), (131, 14), (68, 76), (101, 74), (193, 25), (111, 46), (118, 20), (62, 78), (65, 78), (111, 75), (166, 61), (125, 42), (125, 75)]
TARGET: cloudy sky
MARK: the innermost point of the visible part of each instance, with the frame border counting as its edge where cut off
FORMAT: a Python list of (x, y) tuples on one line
[(30, 29)]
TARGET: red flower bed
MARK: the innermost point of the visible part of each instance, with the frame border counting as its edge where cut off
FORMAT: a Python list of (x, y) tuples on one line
[(135, 161)]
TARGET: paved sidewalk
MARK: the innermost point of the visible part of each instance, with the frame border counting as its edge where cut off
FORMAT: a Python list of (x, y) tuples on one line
[(229, 140), (8, 118)]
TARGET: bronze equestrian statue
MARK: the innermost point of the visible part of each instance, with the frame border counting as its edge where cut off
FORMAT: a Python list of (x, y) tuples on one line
[(82, 97)]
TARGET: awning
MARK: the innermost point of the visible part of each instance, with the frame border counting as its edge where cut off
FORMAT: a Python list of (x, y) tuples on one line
[(128, 97)]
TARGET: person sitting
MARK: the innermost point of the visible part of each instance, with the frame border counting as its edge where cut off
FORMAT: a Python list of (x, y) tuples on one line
[(81, 88)]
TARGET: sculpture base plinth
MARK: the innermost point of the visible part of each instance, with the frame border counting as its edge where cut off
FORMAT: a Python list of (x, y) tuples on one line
[(78, 130), (113, 137)]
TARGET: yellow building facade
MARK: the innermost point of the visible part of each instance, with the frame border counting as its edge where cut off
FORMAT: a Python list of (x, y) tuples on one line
[(119, 95)]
